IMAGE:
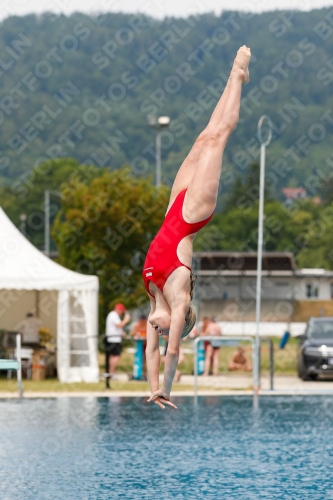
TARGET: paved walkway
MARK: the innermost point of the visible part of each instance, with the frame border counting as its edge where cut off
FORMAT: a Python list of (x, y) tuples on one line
[(230, 384), (245, 381)]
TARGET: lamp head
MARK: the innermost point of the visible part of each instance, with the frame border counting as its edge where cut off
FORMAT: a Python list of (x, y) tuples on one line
[(163, 121)]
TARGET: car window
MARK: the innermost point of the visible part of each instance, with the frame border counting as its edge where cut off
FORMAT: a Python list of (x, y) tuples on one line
[(320, 330)]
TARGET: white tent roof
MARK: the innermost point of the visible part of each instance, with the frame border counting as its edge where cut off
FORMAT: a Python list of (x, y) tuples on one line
[(23, 267)]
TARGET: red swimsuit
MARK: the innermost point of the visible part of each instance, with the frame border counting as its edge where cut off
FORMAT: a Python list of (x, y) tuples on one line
[(162, 259)]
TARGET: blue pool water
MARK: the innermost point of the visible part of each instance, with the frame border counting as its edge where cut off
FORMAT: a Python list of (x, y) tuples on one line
[(108, 448)]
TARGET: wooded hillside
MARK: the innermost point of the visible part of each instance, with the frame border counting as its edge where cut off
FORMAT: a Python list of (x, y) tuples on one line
[(82, 87)]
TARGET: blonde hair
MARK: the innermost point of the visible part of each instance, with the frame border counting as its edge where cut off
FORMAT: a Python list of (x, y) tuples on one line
[(191, 317)]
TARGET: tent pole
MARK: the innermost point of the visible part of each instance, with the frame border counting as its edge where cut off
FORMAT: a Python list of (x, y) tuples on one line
[(47, 223)]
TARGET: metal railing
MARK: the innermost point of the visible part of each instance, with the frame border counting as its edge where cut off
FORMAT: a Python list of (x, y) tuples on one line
[(220, 339), (19, 360), (12, 364), (271, 361)]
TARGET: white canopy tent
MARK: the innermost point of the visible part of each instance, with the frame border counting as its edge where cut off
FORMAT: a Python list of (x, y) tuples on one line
[(65, 300)]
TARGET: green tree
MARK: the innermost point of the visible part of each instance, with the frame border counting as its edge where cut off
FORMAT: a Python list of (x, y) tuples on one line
[(326, 189), (91, 98), (105, 228), (317, 242), (26, 195), (285, 229), (245, 190)]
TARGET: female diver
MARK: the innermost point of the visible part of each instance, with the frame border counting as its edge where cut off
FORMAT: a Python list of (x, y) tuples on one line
[(167, 270)]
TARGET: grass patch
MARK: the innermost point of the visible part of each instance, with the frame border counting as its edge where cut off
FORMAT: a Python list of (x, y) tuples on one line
[(284, 359), (53, 385), (285, 364)]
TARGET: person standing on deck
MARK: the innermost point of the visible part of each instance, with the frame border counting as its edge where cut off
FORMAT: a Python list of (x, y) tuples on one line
[(113, 337)]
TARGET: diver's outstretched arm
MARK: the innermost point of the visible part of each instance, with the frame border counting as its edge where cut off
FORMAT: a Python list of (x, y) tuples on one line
[(153, 368), (171, 360), (162, 396), (153, 358)]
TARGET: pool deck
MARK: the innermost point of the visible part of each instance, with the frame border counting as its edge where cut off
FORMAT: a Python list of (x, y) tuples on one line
[(229, 385)]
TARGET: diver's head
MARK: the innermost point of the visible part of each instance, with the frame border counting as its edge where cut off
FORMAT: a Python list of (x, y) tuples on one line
[(160, 320)]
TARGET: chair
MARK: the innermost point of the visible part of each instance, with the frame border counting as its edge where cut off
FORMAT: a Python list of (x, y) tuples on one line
[(8, 344), (8, 340), (12, 364), (9, 364), (26, 360)]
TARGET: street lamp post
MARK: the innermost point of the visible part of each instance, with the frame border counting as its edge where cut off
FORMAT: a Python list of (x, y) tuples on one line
[(158, 159), (47, 219), (47, 223), (23, 219), (159, 123), (263, 143)]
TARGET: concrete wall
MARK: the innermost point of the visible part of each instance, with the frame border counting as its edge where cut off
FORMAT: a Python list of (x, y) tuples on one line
[(303, 310), (273, 288), (323, 285), (245, 310), (243, 287)]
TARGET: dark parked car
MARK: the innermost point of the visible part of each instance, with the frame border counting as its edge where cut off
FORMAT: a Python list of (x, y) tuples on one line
[(315, 356)]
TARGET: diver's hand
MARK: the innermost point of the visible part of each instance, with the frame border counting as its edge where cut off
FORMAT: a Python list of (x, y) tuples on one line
[(161, 399)]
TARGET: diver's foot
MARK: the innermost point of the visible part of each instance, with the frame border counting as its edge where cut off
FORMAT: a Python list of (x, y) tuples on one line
[(241, 63)]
